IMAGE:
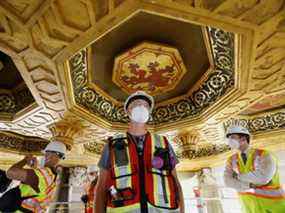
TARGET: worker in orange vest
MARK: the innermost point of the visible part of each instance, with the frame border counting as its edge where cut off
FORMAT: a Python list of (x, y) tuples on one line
[(137, 168), (89, 196)]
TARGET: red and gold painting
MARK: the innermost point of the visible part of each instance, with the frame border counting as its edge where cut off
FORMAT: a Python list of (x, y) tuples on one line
[(151, 67)]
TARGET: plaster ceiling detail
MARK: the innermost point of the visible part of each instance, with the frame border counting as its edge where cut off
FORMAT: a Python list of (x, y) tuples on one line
[(40, 36), (269, 102), (94, 147), (21, 144), (203, 151), (14, 93), (218, 82), (274, 120), (191, 145), (153, 68)]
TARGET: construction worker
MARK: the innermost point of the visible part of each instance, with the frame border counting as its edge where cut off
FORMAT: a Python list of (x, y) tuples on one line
[(89, 196), (137, 169), (37, 185), (254, 174)]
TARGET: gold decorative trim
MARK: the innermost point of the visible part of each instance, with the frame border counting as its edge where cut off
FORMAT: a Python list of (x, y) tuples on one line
[(20, 144)]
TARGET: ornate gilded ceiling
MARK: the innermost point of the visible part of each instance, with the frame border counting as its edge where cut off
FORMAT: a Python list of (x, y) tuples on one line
[(21, 144), (66, 50), (211, 87)]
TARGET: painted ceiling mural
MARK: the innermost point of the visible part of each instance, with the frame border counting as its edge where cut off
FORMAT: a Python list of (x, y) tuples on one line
[(153, 68)]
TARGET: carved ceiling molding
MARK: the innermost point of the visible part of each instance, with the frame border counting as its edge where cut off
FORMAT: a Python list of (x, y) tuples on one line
[(94, 148), (20, 144), (219, 81), (13, 101), (65, 131), (7, 102), (262, 123), (205, 150)]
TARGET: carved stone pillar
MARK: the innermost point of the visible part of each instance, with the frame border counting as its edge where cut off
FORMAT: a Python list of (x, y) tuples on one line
[(209, 191)]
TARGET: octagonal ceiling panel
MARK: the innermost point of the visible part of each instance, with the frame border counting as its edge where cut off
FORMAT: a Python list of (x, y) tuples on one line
[(153, 68), (208, 90)]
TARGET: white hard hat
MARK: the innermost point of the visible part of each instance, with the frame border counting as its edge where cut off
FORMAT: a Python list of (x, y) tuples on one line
[(92, 168), (56, 146), (237, 130), (139, 95)]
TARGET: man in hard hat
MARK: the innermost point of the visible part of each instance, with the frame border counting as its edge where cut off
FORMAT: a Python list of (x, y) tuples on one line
[(89, 196), (254, 174), (37, 183), (137, 169)]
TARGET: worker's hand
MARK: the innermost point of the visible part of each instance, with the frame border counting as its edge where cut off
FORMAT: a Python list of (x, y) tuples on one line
[(31, 161), (253, 186)]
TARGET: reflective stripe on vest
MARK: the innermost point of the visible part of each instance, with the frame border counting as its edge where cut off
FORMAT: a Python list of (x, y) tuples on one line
[(157, 179), (160, 193), (47, 189), (266, 193), (123, 182), (134, 208), (272, 190)]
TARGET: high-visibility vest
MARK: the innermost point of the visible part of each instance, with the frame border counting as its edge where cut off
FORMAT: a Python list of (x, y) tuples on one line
[(90, 198), (267, 198), (46, 185), (272, 190), (128, 169)]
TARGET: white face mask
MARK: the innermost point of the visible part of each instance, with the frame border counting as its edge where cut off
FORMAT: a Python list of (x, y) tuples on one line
[(42, 162), (233, 143), (91, 177), (140, 114)]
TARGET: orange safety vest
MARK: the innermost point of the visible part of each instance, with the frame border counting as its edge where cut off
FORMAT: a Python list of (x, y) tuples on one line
[(91, 198), (47, 189), (129, 171)]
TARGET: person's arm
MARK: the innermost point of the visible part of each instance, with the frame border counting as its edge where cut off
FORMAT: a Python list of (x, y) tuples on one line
[(177, 182), (180, 192), (27, 176), (232, 182), (101, 186), (101, 191), (263, 173)]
